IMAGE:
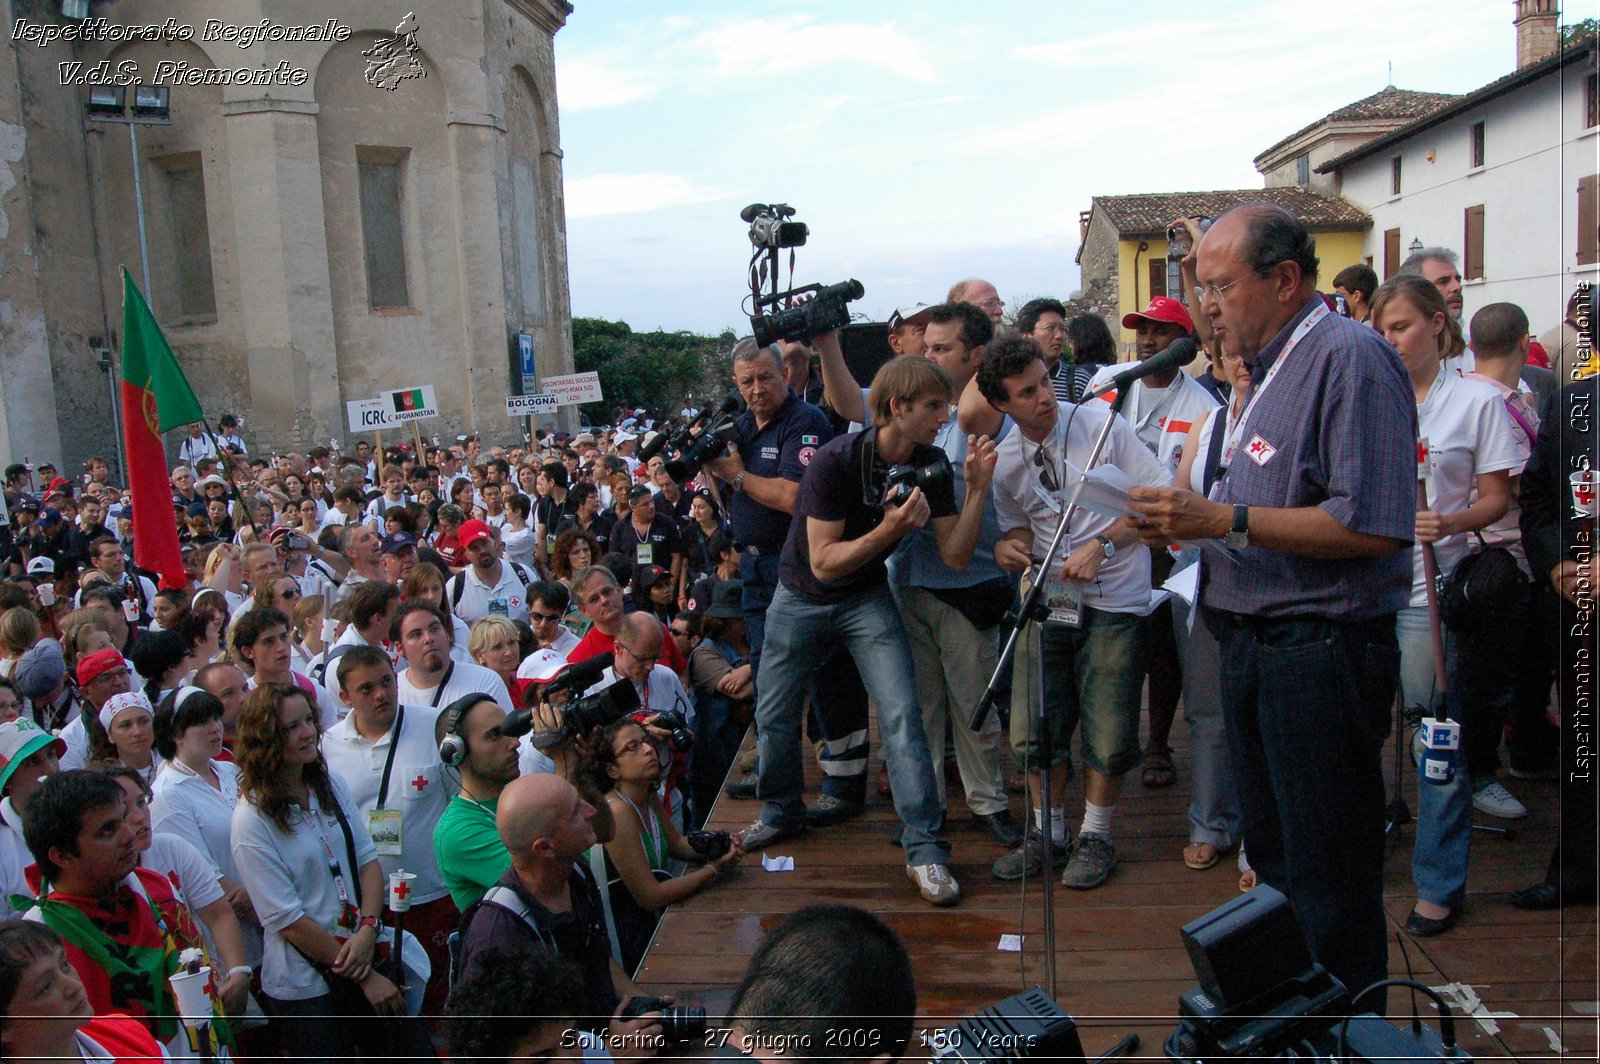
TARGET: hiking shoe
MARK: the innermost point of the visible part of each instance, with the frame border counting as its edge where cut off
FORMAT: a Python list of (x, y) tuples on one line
[(1093, 858), (1028, 859), (762, 834), (831, 809), (935, 883), (744, 789), (1495, 800), (1001, 826)]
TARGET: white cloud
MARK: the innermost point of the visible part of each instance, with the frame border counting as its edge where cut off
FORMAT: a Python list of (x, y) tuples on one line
[(775, 46), (599, 195), (588, 83)]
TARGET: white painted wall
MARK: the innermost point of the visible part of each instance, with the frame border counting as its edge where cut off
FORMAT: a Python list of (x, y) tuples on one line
[(1536, 150)]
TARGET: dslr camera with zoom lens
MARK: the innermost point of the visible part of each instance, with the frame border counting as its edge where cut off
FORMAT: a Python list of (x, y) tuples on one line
[(672, 721), (709, 844), (902, 479), (823, 313), (681, 1024)]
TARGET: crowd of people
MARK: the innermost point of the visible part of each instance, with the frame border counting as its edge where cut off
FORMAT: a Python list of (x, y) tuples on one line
[(509, 683)]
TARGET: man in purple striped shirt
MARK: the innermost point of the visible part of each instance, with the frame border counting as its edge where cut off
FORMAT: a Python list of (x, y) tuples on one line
[(1306, 554)]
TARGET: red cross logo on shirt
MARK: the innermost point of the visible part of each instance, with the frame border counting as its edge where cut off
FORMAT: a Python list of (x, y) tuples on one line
[(1257, 445), (420, 783), (403, 891), (1259, 450)]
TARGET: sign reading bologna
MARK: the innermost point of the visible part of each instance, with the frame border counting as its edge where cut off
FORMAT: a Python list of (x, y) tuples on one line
[(527, 405), (572, 389)]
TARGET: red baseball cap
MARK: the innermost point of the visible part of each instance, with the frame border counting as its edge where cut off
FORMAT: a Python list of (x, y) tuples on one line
[(472, 531), (101, 661), (1163, 309)]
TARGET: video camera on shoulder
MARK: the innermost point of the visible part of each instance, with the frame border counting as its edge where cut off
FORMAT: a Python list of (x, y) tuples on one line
[(578, 715)]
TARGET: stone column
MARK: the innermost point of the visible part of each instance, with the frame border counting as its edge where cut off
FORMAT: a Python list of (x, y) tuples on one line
[(280, 235)]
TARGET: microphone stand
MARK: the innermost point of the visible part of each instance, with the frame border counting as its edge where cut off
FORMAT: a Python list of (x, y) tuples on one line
[(1034, 611)]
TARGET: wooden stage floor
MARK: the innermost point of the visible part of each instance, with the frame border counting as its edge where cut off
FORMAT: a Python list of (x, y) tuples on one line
[(1120, 963)]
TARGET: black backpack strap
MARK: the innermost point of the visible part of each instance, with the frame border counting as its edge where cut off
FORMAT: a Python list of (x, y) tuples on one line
[(458, 585)]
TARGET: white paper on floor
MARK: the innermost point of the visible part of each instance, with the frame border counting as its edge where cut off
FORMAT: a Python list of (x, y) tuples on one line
[(777, 864), (1011, 943)]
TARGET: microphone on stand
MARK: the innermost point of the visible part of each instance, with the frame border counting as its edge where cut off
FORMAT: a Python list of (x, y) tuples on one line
[(1180, 352)]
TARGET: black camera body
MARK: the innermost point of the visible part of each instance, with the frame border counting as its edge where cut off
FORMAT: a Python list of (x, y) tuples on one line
[(601, 708), (824, 312), (709, 844), (681, 1024), (705, 447), (903, 479), (672, 721)]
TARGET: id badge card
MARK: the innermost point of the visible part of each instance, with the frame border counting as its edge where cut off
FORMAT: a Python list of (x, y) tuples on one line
[(384, 827), (499, 606), (1065, 602), (644, 554)]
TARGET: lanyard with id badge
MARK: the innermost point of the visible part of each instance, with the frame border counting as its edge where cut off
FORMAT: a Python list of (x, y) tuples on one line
[(384, 824), (1063, 598)]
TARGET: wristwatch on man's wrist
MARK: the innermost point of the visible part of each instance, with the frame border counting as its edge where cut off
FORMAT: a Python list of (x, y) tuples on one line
[(1238, 537), (738, 482), (1108, 548)]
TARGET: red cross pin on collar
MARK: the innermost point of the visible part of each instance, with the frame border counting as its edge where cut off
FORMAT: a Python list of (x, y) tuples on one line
[(420, 783)]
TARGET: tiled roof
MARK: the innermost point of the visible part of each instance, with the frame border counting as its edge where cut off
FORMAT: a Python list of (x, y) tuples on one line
[(1583, 52), (1147, 214), (1387, 103)]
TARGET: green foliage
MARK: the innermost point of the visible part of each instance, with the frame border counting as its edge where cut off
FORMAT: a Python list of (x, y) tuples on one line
[(654, 370), (1577, 32)]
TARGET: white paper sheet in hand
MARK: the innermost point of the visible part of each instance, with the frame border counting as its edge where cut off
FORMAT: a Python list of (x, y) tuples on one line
[(1011, 943), (1185, 583), (1105, 490), (777, 864)]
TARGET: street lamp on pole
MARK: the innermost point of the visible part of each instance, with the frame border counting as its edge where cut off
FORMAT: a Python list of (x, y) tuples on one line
[(151, 106)]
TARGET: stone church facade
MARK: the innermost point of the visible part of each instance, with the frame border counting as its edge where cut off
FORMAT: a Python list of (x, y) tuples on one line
[(312, 240)]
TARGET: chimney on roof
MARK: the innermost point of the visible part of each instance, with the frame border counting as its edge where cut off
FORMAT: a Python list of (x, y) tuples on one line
[(1083, 225), (1537, 30)]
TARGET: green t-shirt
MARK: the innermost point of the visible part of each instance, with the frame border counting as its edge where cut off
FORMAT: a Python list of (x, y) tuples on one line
[(471, 855)]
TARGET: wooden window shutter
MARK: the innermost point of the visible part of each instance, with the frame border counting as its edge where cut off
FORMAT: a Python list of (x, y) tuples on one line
[(1473, 267)]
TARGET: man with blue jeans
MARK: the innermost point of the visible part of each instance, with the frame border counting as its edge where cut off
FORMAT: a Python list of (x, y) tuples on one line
[(1305, 562), (833, 590)]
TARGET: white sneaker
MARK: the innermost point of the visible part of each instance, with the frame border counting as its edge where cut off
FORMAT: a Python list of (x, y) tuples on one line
[(1495, 800), (935, 883)]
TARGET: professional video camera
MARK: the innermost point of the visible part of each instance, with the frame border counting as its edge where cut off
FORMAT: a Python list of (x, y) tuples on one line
[(770, 227), (578, 715), (903, 479), (784, 315), (1261, 996), (694, 444)]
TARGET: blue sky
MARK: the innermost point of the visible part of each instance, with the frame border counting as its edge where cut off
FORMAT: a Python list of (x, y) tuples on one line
[(925, 142)]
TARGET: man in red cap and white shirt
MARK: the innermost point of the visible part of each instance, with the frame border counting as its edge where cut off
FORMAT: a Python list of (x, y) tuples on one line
[(101, 675), (28, 754), (487, 585), (1161, 408)]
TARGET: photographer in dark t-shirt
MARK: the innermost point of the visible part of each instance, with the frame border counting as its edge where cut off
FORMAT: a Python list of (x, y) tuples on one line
[(861, 495)]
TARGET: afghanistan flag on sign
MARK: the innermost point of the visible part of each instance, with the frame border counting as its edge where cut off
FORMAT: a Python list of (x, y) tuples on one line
[(156, 397), (407, 401)]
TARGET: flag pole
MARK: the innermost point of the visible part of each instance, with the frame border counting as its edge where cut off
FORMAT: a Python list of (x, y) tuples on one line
[(226, 461)]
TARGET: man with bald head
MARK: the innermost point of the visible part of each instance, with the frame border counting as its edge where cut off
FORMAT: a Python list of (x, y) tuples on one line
[(549, 901), (637, 659), (979, 293), (1306, 560)]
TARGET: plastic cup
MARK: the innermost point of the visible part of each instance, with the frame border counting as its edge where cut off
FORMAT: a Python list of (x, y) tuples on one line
[(1584, 486), (194, 997), (400, 891)]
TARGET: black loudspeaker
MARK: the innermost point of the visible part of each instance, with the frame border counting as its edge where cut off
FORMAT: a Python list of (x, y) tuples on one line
[(866, 348), (1246, 948)]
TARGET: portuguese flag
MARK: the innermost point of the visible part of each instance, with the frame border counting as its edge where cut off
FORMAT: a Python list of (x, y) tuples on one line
[(156, 397)]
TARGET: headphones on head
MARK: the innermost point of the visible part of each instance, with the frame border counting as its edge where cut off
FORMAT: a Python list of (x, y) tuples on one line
[(453, 747)]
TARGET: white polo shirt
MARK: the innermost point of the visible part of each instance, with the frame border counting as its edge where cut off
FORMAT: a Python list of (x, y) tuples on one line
[(464, 678), (1123, 585), (662, 694), (1161, 416), (287, 876), (186, 805), (419, 788), (14, 857), (508, 596)]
